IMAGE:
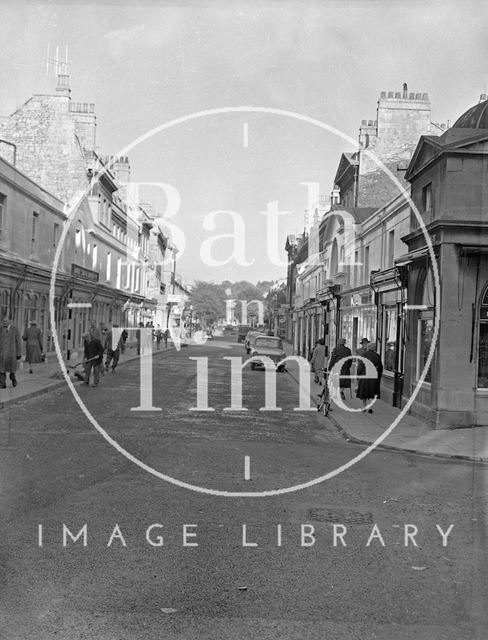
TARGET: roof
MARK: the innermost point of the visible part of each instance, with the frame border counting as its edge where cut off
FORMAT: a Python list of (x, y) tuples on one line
[(474, 118), (376, 188)]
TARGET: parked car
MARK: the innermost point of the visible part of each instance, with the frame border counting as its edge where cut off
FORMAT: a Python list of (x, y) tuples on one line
[(242, 331), (250, 337), (267, 346)]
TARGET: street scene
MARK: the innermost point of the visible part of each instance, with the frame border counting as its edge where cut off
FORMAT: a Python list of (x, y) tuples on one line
[(243, 321)]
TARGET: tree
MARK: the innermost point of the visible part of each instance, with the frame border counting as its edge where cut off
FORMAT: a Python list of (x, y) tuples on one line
[(208, 300)]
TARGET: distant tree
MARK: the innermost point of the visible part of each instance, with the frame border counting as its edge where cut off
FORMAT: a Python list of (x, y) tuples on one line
[(208, 300)]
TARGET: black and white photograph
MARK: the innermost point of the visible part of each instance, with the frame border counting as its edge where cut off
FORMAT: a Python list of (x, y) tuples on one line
[(243, 320)]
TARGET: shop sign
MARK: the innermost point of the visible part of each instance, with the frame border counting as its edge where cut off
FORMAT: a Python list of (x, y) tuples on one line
[(83, 273)]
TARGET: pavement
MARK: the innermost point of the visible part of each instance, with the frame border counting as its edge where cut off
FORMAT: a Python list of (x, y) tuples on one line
[(47, 376), (410, 434)]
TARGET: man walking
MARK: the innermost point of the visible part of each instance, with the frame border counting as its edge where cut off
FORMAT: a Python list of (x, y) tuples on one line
[(10, 352), (113, 354), (93, 356)]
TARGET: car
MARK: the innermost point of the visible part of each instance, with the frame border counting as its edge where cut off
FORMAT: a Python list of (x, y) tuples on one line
[(242, 331), (248, 342), (268, 346)]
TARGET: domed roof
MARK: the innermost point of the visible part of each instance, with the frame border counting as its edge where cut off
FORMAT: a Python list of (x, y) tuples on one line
[(474, 118)]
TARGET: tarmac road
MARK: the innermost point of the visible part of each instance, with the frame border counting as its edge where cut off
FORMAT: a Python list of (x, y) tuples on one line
[(60, 470)]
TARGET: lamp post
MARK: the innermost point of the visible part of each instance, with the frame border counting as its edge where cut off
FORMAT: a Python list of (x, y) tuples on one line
[(191, 320)]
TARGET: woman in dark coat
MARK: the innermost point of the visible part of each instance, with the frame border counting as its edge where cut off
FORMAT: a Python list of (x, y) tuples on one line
[(369, 388), (340, 352), (33, 345)]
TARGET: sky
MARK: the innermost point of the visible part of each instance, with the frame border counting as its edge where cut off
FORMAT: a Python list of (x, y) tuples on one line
[(146, 65)]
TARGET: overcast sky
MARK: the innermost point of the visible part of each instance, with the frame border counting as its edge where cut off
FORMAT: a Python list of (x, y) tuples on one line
[(144, 66)]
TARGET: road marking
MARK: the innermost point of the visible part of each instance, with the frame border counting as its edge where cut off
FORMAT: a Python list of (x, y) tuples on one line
[(245, 134), (415, 307), (79, 305), (247, 468)]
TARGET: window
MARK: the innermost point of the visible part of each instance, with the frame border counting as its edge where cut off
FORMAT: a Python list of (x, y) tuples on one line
[(483, 344), (356, 271), (391, 248), (94, 256), (119, 273), (366, 264), (55, 235), (427, 198), (35, 216), (3, 204), (109, 265)]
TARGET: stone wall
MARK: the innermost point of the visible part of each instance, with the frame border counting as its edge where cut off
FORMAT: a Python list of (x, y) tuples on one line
[(48, 151)]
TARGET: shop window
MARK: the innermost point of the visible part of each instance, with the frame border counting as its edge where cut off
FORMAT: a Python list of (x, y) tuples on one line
[(389, 338), (483, 343), (425, 327), (4, 306)]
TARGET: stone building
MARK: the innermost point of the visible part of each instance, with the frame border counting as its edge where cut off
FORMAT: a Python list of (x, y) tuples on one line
[(54, 185), (329, 288), (449, 186)]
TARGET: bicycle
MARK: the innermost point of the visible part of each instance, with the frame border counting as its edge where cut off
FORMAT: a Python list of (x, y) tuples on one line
[(324, 403)]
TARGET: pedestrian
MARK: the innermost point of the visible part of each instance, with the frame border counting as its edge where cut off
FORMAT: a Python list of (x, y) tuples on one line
[(362, 349), (340, 352), (317, 361), (112, 348), (124, 337), (33, 345), (159, 337), (93, 356), (165, 337), (369, 388), (138, 337), (10, 352)]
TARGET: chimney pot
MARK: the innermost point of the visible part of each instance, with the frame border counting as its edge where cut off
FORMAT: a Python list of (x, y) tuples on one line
[(370, 123), (418, 96), (405, 89), (390, 94), (383, 94), (363, 123)]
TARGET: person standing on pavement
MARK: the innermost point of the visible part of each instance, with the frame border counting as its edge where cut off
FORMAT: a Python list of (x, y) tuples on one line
[(93, 356), (33, 345), (317, 361), (138, 337), (369, 388), (165, 337), (159, 337), (10, 352), (340, 352), (113, 350)]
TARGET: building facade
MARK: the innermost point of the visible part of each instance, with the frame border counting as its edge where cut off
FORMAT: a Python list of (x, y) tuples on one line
[(60, 199)]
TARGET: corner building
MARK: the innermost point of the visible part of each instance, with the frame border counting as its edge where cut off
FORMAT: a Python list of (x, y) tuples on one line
[(449, 186)]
